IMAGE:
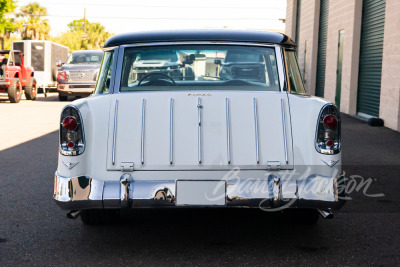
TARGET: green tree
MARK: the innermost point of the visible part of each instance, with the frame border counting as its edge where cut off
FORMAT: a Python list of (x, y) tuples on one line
[(6, 23), (77, 25), (73, 40), (79, 38), (33, 26), (93, 36), (97, 35), (8, 42)]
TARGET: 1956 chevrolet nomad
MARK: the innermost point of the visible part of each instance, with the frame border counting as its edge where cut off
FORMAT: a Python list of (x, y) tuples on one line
[(228, 124)]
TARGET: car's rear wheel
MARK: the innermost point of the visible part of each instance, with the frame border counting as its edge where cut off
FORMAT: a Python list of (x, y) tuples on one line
[(62, 97), (99, 216), (31, 90), (15, 91)]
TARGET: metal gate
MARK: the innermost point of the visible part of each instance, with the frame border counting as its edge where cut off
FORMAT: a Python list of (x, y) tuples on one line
[(370, 65), (322, 41)]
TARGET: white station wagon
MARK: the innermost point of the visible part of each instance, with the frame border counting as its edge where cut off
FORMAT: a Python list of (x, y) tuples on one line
[(229, 126)]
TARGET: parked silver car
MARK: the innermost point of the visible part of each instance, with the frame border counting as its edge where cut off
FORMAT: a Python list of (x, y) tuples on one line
[(77, 77)]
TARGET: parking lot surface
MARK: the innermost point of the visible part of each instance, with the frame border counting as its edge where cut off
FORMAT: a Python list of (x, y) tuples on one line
[(34, 231), (28, 119)]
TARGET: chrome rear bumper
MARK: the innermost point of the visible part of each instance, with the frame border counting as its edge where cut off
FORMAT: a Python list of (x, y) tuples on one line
[(318, 192)]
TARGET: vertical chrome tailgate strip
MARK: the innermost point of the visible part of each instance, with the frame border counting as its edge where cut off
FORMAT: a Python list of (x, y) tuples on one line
[(199, 107), (142, 134), (284, 130), (115, 131), (256, 130), (171, 131), (228, 132)]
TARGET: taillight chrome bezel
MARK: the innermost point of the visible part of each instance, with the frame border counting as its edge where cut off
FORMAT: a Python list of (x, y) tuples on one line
[(321, 141), (77, 135)]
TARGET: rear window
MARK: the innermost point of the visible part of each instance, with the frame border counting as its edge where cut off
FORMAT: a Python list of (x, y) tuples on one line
[(85, 58), (158, 55), (196, 67)]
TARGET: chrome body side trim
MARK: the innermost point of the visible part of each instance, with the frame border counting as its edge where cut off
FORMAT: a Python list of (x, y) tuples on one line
[(83, 192), (284, 130), (115, 131), (256, 130), (228, 132), (171, 131), (199, 131), (143, 131)]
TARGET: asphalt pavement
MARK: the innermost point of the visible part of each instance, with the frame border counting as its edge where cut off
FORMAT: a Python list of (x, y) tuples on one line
[(28, 119), (34, 231)]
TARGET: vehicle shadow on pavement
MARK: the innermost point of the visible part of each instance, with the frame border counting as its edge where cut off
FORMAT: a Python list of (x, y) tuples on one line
[(34, 230), (51, 97)]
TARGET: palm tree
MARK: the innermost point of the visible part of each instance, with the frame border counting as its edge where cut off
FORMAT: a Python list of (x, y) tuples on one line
[(33, 26), (94, 36), (97, 34)]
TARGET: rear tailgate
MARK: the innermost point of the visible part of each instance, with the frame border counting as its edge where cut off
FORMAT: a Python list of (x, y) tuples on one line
[(213, 130)]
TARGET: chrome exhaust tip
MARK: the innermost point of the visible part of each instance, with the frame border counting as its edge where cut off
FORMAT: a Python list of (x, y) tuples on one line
[(326, 214), (73, 214)]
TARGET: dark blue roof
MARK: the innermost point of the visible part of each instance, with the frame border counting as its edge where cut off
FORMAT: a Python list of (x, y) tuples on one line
[(223, 35)]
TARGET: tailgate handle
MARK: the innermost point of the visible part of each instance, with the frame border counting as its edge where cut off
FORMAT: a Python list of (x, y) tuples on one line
[(273, 165), (127, 166)]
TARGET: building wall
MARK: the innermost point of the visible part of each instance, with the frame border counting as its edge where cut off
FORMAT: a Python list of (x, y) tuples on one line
[(390, 83), (347, 15), (344, 15), (308, 39), (290, 23)]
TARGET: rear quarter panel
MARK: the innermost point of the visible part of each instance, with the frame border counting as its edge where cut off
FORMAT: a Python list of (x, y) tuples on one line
[(95, 115), (304, 112)]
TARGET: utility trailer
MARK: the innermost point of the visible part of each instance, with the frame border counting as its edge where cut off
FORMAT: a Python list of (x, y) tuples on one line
[(43, 57)]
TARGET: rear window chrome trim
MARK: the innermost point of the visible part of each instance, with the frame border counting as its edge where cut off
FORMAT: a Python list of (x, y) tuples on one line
[(197, 43), (116, 79)]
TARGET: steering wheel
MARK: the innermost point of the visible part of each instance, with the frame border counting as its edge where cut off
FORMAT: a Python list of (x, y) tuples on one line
[(152, 81)]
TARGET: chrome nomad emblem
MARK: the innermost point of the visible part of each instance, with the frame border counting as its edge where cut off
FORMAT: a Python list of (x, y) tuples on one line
[(70, 165), (330, 163), (200, 94)]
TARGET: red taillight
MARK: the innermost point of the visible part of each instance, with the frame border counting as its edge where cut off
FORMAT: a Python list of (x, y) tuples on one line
[(330, 121), (69, 123), (327, 138), (61, 76), (71, 144), (72, 137)]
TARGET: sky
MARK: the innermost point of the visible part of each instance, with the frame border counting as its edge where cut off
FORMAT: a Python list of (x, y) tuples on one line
[(119, 16)]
